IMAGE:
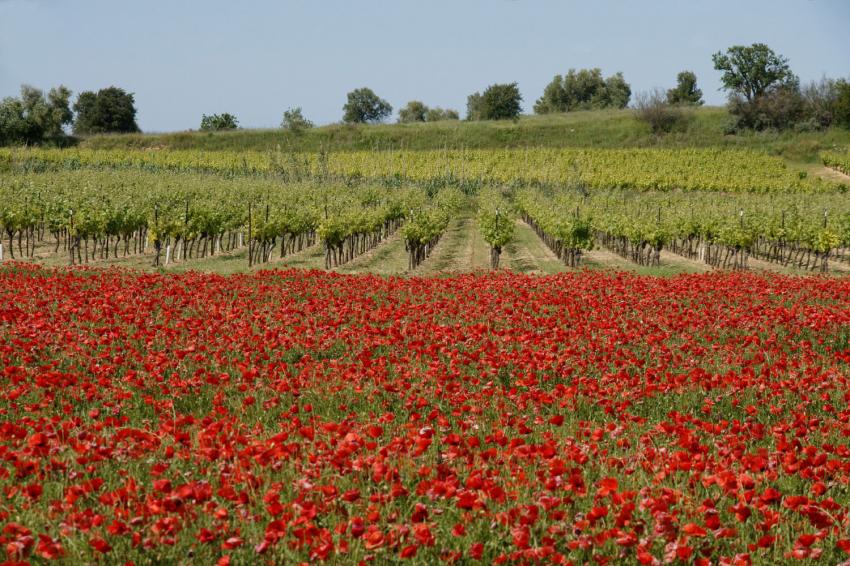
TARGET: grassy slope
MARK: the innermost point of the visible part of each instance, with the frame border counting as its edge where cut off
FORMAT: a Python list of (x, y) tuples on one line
[(606, 128)]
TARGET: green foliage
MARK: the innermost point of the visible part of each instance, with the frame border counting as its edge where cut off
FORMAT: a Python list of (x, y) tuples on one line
[(415, 111), (753, 71), (585, 89), (498, 102), (686, 91), (35, 118), (842, 104), (763, 92), (364, 106), (617, 92), (109, 110), (495, 218), (217, 122), (563, 219), (474, 106), (779, 109), (294, 121), (439, 115), (592, 129), (820, 99)]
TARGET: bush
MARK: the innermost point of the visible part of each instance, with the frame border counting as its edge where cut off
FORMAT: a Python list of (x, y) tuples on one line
[(819, 103), (294, 120), (219, 122), (439, 115), (779, 109), (365, 106), (661, 116), (498, 102)]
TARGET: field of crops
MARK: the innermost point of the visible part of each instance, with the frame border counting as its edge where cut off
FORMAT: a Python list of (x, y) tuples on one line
[(715, 207), (721, 170), (302, 416)]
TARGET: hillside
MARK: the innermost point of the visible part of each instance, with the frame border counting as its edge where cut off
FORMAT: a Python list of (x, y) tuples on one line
[(604, 129)]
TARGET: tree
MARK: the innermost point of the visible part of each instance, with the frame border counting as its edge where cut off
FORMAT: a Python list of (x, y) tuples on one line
[(617, 92), (438, 115), (415, 111), (217, 122), (753, 71), (106, 111), (474, 106), (35, 118), (686, 91), (498, 102), (763, 92), (842, 103), (554, 98), (365, 106), (584, 89), (294, 120)]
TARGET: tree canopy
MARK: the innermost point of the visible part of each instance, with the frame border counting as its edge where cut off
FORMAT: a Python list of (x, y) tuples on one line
[(217, 122), (415, 111), (34, 118), (294, 120), (753, 71), (584, 89), (109, 110), (498, 102), (686, 91), (364, 106)]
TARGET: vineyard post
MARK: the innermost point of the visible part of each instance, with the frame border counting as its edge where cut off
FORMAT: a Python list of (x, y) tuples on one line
[(157, 245), (265, 257), (71, 237), (250, 238), (185, 228), (495, 251), (1, 251)]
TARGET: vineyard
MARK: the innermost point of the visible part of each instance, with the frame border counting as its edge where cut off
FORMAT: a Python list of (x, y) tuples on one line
[(719, 170), (719, 208), (838, 160)]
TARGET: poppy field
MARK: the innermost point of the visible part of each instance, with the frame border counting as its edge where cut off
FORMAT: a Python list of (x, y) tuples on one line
[(306, 416)]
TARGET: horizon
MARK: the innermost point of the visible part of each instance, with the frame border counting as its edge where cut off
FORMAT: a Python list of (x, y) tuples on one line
[(193, 59)]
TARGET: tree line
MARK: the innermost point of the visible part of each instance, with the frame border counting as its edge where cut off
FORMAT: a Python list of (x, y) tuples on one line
[(36, 117), (763, 93)]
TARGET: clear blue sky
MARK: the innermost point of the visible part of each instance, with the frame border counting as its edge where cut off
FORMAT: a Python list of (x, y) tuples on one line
[(183, 58)]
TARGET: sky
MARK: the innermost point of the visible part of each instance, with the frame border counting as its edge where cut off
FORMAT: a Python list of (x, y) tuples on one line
[(255, 59)]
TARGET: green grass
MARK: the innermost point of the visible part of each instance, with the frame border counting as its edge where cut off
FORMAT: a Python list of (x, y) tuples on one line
[(603, 129)]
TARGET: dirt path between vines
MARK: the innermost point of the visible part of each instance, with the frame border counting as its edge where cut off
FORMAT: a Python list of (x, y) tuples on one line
[(461, 249)]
